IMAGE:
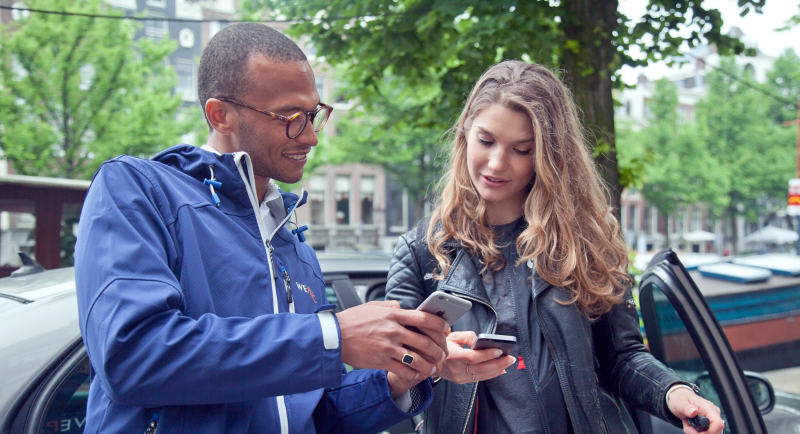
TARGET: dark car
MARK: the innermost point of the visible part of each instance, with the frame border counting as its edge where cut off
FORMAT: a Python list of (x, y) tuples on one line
[(45, 378)]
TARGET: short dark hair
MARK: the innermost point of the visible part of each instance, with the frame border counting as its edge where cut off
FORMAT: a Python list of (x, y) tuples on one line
[(223, 64)]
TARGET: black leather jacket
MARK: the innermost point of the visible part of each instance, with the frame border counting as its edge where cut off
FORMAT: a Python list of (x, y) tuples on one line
[(591, 358)]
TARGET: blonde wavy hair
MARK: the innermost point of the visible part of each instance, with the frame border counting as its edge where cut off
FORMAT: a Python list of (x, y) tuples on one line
[(572, 236)]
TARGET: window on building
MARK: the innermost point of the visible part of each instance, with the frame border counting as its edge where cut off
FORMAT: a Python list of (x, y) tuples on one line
[(750, 71), (320, 82), (156, 26), (689, 83), (316, 198), (632, 212), (694, 224), (681, 114), (338, 96), (647, 219), (157, 3), (343, 199), (215, 26), (397, 209), (311, 50), (367, 187), (17, 231), (19, 10), (187, 81)]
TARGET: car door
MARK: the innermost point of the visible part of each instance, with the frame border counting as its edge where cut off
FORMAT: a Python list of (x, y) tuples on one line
[(56, 400), (683, 333)]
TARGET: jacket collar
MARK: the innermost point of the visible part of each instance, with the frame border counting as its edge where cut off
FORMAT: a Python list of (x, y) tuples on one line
[(198, 163), (464, 278)]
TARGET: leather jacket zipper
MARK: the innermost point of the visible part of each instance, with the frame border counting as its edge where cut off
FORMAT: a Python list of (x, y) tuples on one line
[(475, 386)]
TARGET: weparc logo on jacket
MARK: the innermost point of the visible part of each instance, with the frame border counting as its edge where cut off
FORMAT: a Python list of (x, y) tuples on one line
[(307, 290)]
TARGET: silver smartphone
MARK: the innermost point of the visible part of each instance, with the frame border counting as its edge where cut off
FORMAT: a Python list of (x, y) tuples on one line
[(447, 306), (503, 342)]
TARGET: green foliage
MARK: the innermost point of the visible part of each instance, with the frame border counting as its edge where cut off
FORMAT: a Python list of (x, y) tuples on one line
[(437, 49), (784, 80), (679, 170), (792, 21), (75, 91), (757, 154)]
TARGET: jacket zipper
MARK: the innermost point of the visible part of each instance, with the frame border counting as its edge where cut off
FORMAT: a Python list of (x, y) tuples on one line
[(249, 183), (287, 283), (475, 387), (153, 427)]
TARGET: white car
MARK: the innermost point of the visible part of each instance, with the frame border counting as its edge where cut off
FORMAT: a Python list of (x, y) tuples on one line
[(45, 372)]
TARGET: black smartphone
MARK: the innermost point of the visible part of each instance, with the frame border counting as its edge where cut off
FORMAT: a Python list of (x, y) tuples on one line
[(503, 342)]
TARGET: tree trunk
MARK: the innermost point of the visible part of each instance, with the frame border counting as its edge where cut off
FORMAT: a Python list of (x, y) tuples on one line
[(590, 23), (734, 229), (419, 208)]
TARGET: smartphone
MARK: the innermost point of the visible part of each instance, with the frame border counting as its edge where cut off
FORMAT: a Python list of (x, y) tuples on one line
[(447, 306), (503, 342)]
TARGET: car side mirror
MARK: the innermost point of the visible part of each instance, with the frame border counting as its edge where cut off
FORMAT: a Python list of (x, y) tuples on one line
[(759, 385)]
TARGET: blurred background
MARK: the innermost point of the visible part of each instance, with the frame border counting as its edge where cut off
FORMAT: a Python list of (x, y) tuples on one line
[(689, 108)]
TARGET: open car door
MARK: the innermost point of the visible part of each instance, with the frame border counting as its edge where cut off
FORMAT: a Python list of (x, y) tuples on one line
[(683, 333)]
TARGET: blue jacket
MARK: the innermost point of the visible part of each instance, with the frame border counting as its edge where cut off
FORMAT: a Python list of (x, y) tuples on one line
[(186, 322)]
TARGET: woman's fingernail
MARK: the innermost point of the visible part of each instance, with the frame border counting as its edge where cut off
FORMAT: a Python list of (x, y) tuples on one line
[(416, 375), (504, 371), (433, 370), (513, 360), (497, 353), (692, 411)]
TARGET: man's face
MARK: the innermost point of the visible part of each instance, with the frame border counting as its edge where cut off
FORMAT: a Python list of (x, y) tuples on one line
[(285, 89)]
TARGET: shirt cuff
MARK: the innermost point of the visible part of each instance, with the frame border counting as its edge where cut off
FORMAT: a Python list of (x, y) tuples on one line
[(330, 333), (676, 387), (403, 402)]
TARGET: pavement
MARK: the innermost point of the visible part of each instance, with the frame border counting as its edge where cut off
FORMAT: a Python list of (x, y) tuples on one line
[(787, 379)]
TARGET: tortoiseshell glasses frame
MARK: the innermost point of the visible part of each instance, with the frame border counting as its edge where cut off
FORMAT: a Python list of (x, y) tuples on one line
[(319, 117)]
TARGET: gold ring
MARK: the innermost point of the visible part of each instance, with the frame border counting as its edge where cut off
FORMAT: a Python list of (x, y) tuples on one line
[(407, 359)]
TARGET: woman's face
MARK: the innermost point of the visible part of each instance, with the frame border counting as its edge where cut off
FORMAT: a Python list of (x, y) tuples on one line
[(500, 160)]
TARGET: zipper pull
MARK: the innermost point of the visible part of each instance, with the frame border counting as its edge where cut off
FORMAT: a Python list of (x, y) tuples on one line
[(270, 249), (287, 282), (213, 183), (153, 425)]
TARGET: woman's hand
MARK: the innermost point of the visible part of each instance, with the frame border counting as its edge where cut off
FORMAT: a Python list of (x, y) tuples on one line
[(468, 366), (684, 403)]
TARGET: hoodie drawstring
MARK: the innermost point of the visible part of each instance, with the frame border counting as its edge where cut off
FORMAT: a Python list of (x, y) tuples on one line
[(211, 183)]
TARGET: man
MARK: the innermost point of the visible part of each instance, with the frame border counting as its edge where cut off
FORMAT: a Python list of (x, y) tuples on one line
[(200, 310)]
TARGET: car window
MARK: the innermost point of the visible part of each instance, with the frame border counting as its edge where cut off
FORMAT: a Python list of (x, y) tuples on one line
[(332, 298), (671, 343), (66, 412)]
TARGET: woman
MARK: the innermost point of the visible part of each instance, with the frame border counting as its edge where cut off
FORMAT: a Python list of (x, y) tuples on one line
[(523, 229)]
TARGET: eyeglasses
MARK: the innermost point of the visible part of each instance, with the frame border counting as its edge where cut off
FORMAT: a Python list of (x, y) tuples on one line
[(296, 123)]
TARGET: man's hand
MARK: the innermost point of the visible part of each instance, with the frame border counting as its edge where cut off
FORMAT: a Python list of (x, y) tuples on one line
[(684, 403), (468, 366), (374, 336)]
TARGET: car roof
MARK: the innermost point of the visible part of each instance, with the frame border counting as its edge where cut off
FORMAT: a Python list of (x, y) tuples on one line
[(354, 263), (33, 287)]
